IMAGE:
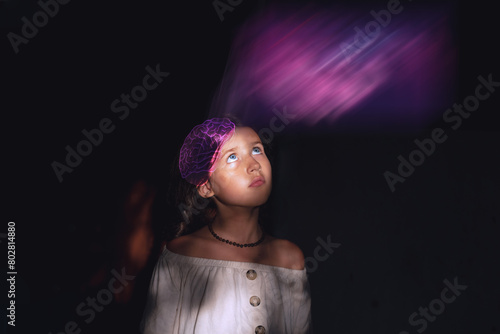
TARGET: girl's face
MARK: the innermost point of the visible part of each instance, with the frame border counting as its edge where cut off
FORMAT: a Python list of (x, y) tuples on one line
[(241, 160)]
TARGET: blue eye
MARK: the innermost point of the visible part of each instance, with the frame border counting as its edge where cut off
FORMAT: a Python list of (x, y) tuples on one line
[(233, 157), (229, 157)]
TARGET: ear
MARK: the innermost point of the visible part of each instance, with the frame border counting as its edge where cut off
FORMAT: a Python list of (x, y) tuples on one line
[(205, 190)]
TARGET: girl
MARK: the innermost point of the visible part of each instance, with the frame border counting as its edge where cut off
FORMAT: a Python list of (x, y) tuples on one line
[(223, 273)]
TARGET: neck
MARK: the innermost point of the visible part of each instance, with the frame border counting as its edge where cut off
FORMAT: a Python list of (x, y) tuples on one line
[(238, 224)]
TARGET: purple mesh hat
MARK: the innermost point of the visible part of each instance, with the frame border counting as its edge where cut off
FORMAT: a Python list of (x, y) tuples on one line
[(201, 149)]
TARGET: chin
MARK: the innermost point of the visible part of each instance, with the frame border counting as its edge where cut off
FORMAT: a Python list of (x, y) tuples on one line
[(257, 200), (263, 200)]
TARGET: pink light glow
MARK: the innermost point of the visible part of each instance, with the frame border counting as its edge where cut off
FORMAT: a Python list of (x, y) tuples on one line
[(201, 148), (321, 68)]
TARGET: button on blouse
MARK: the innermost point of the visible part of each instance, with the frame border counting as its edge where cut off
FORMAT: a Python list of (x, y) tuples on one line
[(260, 330), (255, 301), (251, 274)]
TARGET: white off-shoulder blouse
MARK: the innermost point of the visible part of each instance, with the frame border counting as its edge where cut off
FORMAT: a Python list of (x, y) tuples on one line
[(197, 295)]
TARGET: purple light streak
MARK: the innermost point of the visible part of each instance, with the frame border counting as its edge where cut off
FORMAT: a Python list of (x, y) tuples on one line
[(322, 69), (201, 148)]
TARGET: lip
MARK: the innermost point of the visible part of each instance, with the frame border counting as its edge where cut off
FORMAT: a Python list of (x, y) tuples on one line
[(258, 181)]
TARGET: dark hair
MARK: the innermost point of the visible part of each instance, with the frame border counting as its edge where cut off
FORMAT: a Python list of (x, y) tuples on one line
[(196, 211)]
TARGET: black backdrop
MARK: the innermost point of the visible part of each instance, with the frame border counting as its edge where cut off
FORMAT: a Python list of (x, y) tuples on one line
[(396, 248)]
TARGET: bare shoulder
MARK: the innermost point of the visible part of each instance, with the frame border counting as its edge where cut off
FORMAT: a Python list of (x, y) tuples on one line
[(288, 254), (183, 245)]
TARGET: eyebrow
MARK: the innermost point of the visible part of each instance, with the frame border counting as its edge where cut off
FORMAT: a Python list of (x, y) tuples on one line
[(233, 148)]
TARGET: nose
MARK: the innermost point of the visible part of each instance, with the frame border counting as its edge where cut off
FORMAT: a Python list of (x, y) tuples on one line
[(254, 165)]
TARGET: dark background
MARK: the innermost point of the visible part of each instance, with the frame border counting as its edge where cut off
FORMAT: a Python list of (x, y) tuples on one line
[(396, 247)]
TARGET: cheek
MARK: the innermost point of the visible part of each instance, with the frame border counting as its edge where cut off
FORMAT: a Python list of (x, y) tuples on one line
[(269, 174), (266, 164), (225, 179), (234, 179)]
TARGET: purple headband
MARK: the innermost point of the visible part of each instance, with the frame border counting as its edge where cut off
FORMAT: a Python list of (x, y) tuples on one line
[(201, 149)]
